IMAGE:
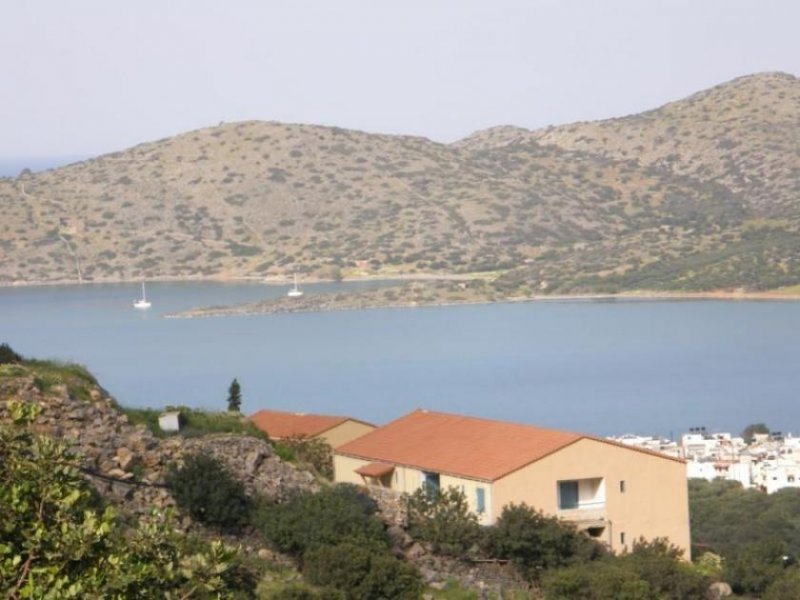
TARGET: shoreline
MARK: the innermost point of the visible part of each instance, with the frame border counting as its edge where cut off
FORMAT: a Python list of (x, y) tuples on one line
[(634, 295), (282, 306)]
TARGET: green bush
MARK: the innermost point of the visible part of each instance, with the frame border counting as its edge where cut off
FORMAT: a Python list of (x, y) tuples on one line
[(597, 580), (314, 452), (208, 492), (330, 516), (444, 520), (785, 587), (659, 563), (362, 571), (57, 540), (298, 591), (752, 568), (533, 541), (8, 356)]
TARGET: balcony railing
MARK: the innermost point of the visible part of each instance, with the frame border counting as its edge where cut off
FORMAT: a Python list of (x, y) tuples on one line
[(585, 511)]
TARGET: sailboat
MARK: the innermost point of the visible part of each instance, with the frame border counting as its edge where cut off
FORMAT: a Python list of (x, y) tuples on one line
[(295, 292), (142, 302)]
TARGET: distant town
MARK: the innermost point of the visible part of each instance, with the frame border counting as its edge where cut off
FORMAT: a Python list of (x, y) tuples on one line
[(768, 461)]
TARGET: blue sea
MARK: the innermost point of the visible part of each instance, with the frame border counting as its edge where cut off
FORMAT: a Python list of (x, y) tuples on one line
[(655, 367)]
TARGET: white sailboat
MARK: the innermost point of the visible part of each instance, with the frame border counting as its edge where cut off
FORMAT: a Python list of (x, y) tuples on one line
[(142, 302), (295, 292)]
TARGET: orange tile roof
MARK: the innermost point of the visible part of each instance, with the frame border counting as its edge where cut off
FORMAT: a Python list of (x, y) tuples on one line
[(376, 469), (459, 445), (465, 446), (278, 424)]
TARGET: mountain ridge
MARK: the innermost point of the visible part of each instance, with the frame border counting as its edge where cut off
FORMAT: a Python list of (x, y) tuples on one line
[(678, 197)]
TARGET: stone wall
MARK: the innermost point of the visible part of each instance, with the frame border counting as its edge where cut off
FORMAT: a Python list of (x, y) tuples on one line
[(127, 463)]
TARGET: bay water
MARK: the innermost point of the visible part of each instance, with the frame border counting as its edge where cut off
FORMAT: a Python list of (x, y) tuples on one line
[(654, 367)]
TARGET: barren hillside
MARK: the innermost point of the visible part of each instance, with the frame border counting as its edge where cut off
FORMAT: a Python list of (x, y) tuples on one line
[(703, 193)]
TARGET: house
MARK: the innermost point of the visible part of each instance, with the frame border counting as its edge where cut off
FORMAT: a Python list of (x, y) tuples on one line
[(616, 493), (170, 421), (334, 431)]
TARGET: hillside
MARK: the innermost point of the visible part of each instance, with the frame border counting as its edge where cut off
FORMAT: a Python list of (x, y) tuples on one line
[(700, 194)]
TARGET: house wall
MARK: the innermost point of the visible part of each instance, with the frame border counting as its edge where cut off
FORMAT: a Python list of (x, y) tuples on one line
[(654, 503), (345, 432), (408, 480)]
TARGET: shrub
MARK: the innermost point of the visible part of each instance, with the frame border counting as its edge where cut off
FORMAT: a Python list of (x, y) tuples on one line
[(312, 451), (533, 541), (207, 492), (658, 562), (8, 356), (309, 520), (59, 541), (362, 571), (785, 587), (444, 520), (753, 567), (596, 580)]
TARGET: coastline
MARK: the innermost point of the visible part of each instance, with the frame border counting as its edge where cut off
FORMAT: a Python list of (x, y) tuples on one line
[(278, 306), (371, 300)]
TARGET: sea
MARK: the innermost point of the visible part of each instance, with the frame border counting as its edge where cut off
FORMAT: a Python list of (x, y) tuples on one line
[(606, 368)]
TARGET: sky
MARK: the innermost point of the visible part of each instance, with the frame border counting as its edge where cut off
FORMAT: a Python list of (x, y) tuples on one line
[(79, 78)]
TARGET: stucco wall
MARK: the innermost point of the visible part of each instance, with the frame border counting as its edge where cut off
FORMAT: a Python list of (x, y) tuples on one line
[(654, 503), (408, 480), (345, 432)]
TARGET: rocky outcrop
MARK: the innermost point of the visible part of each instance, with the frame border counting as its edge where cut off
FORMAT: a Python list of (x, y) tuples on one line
[(128, 464)]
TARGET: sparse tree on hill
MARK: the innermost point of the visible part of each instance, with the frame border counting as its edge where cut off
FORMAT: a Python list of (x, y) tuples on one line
[(235, 396)]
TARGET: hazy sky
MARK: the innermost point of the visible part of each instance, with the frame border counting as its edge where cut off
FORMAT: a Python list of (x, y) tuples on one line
[(84, 77)]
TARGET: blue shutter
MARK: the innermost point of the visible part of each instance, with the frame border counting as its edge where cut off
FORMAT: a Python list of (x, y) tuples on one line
[(480, 500)]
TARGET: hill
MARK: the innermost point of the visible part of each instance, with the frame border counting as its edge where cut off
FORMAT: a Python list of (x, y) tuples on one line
[(700, 194)]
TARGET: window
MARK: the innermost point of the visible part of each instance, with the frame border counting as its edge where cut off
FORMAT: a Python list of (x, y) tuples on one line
[(622, 538), (622, 486), (430, 481), (480, 500), (567, 494)]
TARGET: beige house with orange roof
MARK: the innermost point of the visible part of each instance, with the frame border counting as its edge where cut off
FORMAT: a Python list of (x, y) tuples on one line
[(616, 493), (334, 431)]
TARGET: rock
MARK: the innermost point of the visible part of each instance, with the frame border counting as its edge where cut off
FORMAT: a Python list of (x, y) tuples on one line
[(119, 474), (125, 458), (718, 590), (415, 551), (252, 461), (428, 575)]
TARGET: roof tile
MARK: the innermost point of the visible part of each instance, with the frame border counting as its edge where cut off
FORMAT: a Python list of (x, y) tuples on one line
[(458, 445)]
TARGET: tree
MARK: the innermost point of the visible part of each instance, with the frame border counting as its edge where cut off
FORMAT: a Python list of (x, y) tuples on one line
[(235, 396), (8, 356), (754, 428)]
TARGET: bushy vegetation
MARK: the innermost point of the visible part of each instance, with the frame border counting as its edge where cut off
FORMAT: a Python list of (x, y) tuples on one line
[(534, 542), (752, 531), (58, 540), (341, 542), (312, 453), (196, 422), (651, 571), (334, 515), (362, 571), (444, 520), (208, 492)]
